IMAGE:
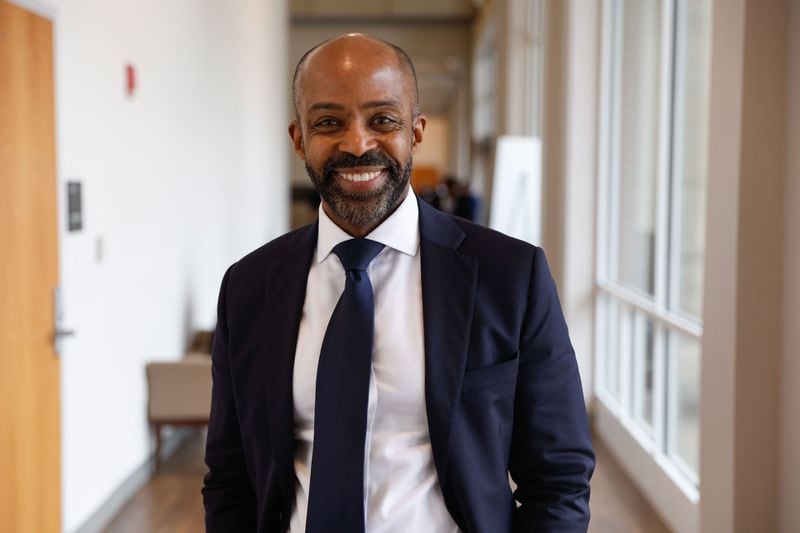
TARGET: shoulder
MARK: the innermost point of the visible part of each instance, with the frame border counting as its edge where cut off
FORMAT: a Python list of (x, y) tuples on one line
[(482, 240), (474, 239), (506, 267), (507, 264), (255, 263)]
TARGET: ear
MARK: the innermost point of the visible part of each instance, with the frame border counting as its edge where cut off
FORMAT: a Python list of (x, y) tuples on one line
[(417, 133), (296, 133)]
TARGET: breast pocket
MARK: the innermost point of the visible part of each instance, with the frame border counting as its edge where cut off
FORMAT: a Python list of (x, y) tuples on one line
[(479, 378)]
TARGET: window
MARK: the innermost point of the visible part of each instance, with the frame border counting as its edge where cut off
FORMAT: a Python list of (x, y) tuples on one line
[(652, 184), (533, 65)]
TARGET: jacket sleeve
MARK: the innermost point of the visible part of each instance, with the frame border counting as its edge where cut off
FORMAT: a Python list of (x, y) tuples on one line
[(551, 457), (228, 496)]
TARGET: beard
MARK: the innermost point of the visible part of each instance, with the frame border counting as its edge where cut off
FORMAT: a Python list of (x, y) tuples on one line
[(362, 208)]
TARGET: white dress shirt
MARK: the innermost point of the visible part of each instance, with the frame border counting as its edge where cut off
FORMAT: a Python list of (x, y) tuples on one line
[(401, 488)]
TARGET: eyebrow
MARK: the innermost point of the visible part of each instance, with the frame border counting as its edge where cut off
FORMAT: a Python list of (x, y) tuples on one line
[(324, 106), (381, 103), (332, 106)]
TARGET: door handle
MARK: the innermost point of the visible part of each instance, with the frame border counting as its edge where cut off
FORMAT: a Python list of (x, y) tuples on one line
[(59, 332)]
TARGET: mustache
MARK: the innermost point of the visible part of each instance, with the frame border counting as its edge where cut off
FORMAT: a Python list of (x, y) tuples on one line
[(373, 158)]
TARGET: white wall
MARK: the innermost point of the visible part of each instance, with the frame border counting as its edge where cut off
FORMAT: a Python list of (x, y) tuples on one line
[(179, 181), (573, 216), (789, 470), (742, 317)]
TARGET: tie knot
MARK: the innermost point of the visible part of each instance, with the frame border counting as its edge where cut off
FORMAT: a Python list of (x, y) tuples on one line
[(357, 254)]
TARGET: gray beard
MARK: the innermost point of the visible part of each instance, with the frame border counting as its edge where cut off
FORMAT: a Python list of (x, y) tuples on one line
[(362, 209)]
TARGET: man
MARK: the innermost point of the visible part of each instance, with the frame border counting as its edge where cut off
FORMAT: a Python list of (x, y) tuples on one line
[(397, 391)]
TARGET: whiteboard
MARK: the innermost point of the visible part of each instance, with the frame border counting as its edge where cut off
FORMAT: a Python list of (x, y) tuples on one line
[(516, 206)]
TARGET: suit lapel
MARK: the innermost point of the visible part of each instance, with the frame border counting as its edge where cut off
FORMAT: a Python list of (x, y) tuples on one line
[(449, 282), (285, 294)]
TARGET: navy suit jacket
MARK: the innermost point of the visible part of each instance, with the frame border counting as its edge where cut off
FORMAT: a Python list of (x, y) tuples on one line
[(502, 389)]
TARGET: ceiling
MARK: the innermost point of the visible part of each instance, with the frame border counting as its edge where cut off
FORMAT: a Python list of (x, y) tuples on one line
[(382, 9)]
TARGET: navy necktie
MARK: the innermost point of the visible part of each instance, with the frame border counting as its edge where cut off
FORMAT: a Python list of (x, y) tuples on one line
[(336, 495)]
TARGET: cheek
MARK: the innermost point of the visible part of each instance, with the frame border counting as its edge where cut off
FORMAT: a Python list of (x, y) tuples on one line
[(316, 153), (401, 150)]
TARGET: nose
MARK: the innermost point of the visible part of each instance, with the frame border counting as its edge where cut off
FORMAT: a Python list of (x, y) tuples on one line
[(357, 140)]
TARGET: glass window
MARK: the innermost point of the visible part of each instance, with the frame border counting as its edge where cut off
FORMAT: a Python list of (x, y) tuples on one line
[(637, 146), (693, 52), (684, 401), (652, 219), (612, 345), (644, 369)]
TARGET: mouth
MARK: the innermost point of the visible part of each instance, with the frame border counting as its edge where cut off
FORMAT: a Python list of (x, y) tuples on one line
[(360, 178), (359, 175)]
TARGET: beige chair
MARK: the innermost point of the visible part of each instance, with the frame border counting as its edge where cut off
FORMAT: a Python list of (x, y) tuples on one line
[(179, 394)]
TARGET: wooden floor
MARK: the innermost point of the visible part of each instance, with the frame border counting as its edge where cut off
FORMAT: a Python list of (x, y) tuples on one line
[(617, 506), (171, 501)]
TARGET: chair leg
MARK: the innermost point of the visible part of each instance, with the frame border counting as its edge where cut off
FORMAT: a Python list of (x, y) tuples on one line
[(157, 455)]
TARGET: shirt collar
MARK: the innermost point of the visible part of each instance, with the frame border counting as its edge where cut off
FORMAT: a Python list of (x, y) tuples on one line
[(400, 231)]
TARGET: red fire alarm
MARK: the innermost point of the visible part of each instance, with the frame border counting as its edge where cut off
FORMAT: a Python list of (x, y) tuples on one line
[(130, 79)]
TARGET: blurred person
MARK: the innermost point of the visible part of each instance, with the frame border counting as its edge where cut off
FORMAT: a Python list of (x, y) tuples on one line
[(448, 191), (429, 195), (460, 201), (468, 205), (387, 367)]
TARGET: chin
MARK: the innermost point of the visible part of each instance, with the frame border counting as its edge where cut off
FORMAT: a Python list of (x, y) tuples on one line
[(365, 211)]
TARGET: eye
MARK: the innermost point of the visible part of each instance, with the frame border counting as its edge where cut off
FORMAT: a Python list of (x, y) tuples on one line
[(383, 121), (326, 123)]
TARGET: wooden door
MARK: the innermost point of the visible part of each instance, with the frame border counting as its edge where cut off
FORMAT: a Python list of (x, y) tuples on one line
[(30, 477)]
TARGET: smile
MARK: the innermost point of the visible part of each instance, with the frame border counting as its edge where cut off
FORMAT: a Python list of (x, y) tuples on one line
[(360, 176)]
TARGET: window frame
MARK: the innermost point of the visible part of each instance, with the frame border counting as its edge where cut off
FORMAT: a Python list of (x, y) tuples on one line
[(647, 452)]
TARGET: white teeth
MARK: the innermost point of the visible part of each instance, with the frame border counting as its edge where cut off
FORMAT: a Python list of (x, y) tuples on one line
[(363, 176)]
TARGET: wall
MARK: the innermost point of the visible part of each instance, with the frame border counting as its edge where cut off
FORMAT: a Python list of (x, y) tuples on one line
[(179, 181), (554, 136), (742, 317), (760, 261), (789, 469), (571, 217)]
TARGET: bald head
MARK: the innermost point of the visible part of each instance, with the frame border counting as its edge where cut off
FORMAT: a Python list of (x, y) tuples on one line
[(355, 47)]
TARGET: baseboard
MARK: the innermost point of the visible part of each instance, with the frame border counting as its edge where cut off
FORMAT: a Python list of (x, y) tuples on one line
[(106, 512)]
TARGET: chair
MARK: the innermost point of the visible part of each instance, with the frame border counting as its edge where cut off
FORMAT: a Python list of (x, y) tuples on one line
[(178, 394)]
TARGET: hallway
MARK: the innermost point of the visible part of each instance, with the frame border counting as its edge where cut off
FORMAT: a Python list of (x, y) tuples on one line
[(171, 501), (144, 151)]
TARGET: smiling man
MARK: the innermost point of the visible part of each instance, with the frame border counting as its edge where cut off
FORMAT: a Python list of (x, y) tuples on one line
[(357, 123), (387, 368)]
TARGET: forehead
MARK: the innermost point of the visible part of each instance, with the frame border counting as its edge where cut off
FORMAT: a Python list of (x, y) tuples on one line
[(353, 77)]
